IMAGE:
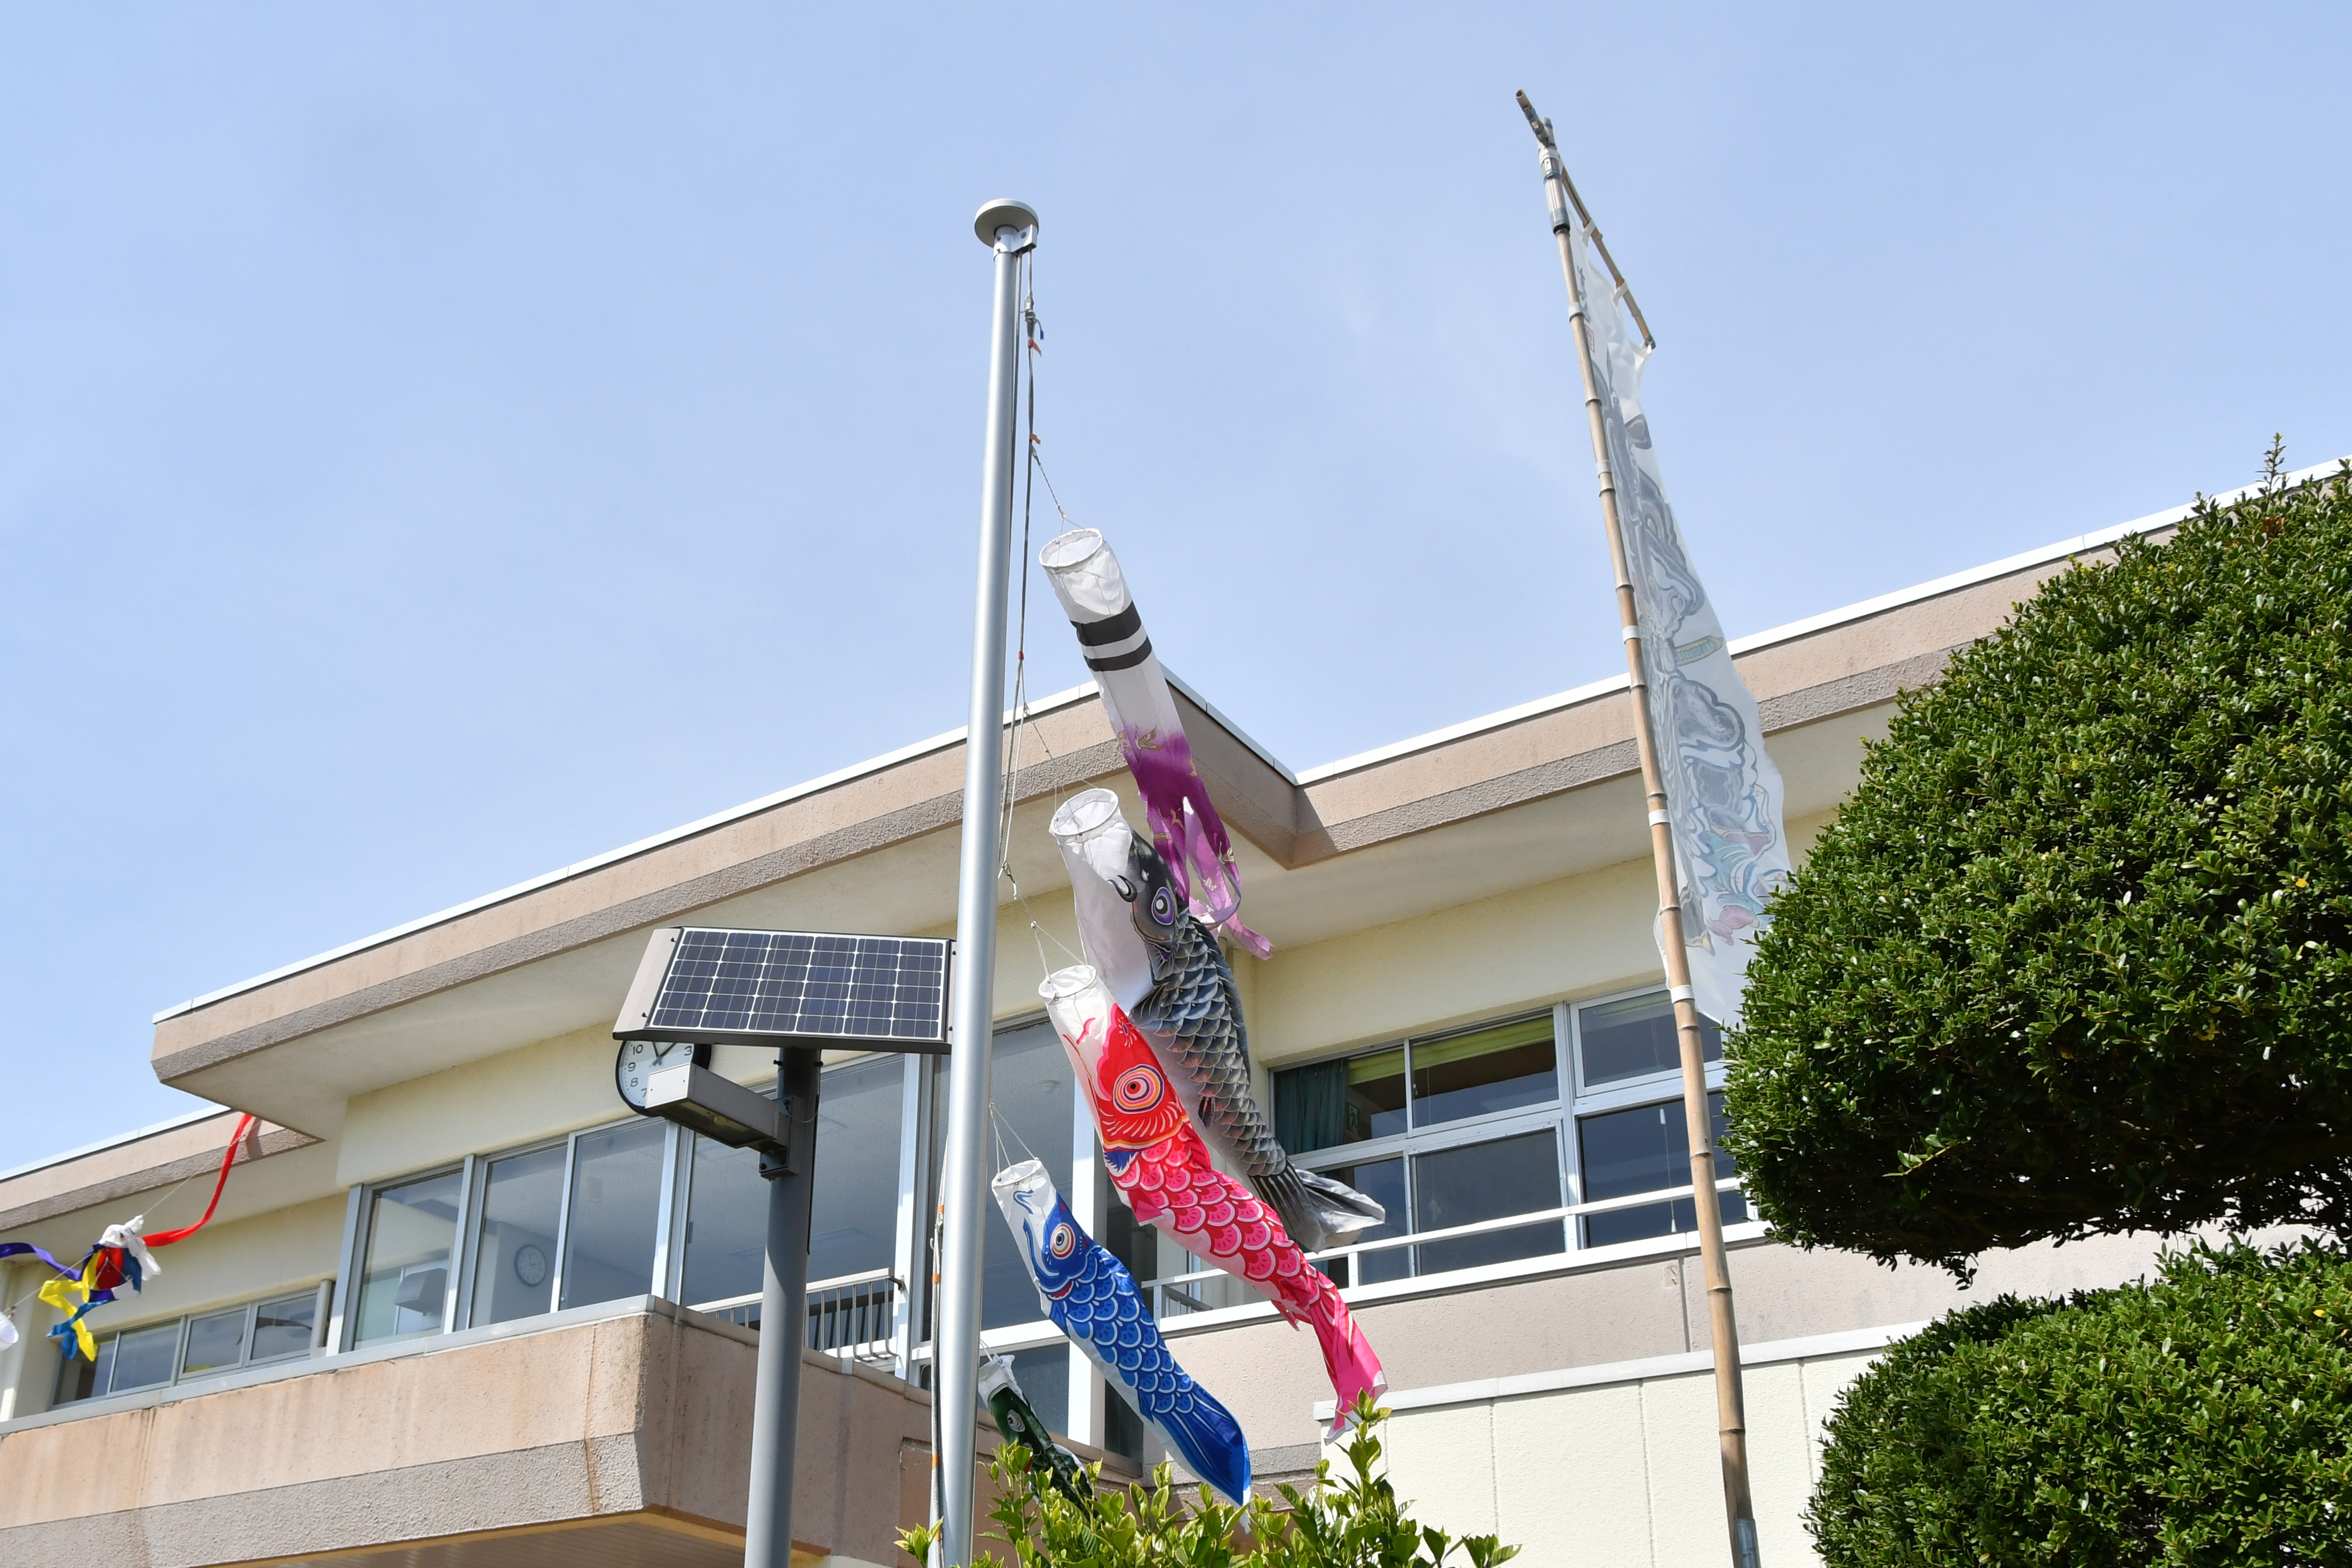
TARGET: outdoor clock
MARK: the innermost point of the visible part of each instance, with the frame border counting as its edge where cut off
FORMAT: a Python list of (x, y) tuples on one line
[(639, 1059)]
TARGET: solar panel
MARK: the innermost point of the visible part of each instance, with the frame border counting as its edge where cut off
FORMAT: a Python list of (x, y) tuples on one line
[(712, 986)]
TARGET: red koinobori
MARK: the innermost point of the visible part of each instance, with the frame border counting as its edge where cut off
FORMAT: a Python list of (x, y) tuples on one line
[(122, 1256)]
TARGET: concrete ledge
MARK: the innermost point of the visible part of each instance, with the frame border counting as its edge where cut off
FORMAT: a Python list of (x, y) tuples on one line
[(177, 1153), (1483, 1389), (637, 1412)]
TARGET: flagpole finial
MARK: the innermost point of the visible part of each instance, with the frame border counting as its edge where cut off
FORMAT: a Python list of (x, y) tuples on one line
[(1536, 122)]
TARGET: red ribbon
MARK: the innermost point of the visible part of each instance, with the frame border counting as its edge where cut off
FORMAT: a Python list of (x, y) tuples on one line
[(165, 1238)]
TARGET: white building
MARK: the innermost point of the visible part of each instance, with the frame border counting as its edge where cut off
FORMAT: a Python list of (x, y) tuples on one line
[(460, 1307)]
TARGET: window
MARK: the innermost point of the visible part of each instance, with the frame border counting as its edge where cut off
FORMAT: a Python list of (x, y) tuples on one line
[(1632, 1136), (187, 1348), (412, 1241), (1526, 1116), (636, 1207), (608, 1225), (1457, 1130), (854, 1212), (1645, 1149), (514, 1256)]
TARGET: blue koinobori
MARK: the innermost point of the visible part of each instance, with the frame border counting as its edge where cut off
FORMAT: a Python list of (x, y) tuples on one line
[(1092, 1298)]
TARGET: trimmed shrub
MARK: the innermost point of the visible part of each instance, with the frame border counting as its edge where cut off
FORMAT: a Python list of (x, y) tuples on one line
[(2077, 955), (1352, 1520), (2204, 1419)]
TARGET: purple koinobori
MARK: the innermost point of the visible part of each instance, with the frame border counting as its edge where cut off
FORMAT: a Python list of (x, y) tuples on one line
[(1185, 827)]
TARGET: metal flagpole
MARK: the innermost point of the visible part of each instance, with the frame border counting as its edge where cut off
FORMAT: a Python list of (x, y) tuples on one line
[(783, 1314), (1730, 1402), (1010, 228)]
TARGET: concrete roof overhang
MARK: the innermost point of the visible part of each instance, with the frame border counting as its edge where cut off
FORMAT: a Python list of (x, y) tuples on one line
[(1511, 800), (1525, 798)]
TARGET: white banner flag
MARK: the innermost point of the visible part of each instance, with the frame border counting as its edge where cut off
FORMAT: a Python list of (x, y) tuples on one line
[(1723, 794)]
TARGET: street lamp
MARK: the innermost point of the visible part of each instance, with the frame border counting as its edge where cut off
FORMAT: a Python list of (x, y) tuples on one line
[(801, 992)]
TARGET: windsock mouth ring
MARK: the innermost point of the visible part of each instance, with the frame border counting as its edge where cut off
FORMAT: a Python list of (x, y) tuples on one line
[(1013, 1178), (1065, 550), (1084, 814), (1068, 981)]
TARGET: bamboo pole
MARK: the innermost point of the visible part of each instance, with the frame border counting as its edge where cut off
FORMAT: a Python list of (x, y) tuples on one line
[(1730, 1402)]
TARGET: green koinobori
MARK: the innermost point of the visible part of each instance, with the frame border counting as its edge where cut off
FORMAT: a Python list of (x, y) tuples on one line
[(1019, 1422)]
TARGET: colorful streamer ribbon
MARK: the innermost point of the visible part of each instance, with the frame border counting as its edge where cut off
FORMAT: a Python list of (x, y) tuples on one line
[(120, 1256)]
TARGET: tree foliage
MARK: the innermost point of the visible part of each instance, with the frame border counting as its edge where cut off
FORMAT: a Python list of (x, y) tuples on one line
[(2074, 957), (1352, 1522), (2204, 1419)]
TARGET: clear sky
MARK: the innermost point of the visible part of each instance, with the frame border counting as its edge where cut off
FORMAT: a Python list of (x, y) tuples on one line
[(441, 442)]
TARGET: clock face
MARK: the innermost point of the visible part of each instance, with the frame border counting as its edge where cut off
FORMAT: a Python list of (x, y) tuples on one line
[(639, 1059), (531, 1265)]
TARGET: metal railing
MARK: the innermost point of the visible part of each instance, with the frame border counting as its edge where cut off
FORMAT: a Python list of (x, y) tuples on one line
[(1210, 1290), (853, 1316)]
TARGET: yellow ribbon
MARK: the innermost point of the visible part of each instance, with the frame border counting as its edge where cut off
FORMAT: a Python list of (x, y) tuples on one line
[(61, 1293)]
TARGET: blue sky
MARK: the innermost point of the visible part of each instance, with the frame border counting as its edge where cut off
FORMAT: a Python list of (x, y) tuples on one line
[(438, 443)]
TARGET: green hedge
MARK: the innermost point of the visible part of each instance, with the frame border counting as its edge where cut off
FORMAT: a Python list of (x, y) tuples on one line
[(2077, 955), (1343, 1520), (2204, 1419)]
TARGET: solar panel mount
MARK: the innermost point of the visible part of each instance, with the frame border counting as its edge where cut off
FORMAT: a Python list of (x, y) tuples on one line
[(710, 986)]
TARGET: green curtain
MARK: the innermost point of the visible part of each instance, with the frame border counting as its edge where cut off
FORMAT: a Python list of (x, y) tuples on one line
[(1310, 1106)]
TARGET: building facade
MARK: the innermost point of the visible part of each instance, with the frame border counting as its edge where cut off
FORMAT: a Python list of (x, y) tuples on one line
[(460, 1306)]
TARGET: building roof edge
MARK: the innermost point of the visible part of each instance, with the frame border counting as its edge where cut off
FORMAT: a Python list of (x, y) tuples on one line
[(1059, 700), (1860, 611), (717, 819)]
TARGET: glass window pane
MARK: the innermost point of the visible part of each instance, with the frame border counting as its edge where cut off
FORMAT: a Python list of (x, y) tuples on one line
[(726, 1224), (608, 1240), (853, 1218), (1030, 1082), (1310, 1106), (144, 1358), (411, 1231), (1044, 1374), (1382, 1181), (286, 1326), (1643, 1150), (1476, 1074), (215, 1340), (1375, 1096), (1635, 1038), (514, 1254), (1488, 1181), (78, 1377)]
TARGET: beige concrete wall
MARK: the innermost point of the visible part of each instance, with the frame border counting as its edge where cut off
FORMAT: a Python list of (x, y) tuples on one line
[(1585, 1315), (227, 1262), (638, 1413), (1622, 1474), (1579, 935), (540, 1090)]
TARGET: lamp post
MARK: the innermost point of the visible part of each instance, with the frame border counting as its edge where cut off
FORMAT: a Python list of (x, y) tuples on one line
[(700, 986), (1008, 228), (784, 1311)]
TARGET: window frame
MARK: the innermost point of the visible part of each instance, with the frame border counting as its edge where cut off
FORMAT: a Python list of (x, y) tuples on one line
[(920, 1126), (1662, 1088), (1562, 1114), (662, 1281), (352, 1297), (181, 1327)]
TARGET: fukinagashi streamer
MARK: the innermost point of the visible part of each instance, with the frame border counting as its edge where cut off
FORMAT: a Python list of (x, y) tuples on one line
[(1190, 836)]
